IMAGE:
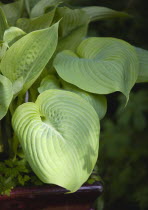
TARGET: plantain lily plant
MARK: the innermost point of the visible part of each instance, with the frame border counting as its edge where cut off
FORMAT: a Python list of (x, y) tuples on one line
[(53, 86)]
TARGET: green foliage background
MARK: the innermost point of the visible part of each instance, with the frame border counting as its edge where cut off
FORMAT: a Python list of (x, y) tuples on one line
[(123, 156)]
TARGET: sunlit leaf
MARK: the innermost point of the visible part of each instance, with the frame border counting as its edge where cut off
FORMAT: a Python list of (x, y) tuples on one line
[(143, 60), (6, 95), (26, 58), (100, 65), (59, 135)]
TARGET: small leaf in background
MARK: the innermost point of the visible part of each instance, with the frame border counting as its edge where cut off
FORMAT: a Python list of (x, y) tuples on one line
[(49, 82), (13, 34), (41, 22), (99, 13), (30, 4), (3, 24), (26, 58), (41, 6), (59, 134), (6, 95), (3, 49), (100, 65), (98, 102), (12, 11), (143, 60)]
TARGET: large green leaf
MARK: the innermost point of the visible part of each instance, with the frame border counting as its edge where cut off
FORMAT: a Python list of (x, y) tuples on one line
[(26, 58), (41, 6), (30, 4), (13, 34), (3, 24), (6, 95), (59, 135), (33, 24), (100, 65), (99, 13), (143, 60)]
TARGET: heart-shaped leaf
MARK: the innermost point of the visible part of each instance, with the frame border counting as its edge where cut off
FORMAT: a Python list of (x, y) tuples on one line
[(143, 60), (59, 135), (6, 95), (100, 65), (26, 58)]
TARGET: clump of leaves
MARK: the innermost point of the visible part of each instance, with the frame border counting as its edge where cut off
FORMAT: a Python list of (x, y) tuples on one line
[(15, 173), (53, 82)]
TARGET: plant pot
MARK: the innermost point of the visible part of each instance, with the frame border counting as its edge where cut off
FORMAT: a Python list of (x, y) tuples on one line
[(51, 197)]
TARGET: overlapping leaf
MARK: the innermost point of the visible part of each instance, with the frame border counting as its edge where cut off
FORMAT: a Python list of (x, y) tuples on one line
[(26, 58), (41, 6), (13, 34), (100, 13), (12, 11), (98, 102), (6, 95), (143, 68), (100, 65), (37, 23), (3, 24), (59, 135)]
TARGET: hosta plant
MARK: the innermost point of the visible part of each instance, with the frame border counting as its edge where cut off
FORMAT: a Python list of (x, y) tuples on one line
[(53, 86)]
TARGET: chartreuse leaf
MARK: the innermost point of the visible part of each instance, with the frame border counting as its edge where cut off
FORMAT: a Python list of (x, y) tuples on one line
[(6, 95), (99, 13), (143, 60), (26, 58), (98, 102), (59, 134), (12, 11), (3, 24), (37, 23), (41, 6), (49, 82), (100, 65), (13, 34)]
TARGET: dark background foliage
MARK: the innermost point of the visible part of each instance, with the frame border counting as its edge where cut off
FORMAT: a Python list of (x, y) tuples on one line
[(123, 158)]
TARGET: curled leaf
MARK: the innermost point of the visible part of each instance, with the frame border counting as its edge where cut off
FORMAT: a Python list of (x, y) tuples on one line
[(59, 134)]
